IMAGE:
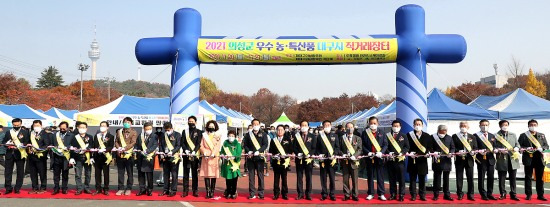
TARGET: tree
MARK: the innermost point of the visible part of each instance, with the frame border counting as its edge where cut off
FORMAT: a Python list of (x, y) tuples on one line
[(467, 92), (516, 70), (50, 78), (208, 88), (534, 86)]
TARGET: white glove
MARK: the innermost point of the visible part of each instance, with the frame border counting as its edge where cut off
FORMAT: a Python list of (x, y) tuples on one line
[(92, 161), (472, 153), (186, 152), (516, 149), (495, 151), (539, 149), (412, 154), (353, 158), (170, 153), (300, 154), (82, 151), (212, 155), (307, 156), (250, 153), (332, 157), (102, 151), (461, 151), (231, 158), (282, 156), (72, 162), (391, 153), (379, 154), (370, 154), (256, 153)]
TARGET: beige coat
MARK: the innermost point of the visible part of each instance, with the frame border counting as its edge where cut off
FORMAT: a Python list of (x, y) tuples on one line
[(210, 167)]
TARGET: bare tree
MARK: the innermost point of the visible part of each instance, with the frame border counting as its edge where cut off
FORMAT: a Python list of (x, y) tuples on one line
[(516, 70)]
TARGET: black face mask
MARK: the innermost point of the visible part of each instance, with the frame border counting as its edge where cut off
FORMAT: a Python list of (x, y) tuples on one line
[(192, 126), (210, 129), (16, 128), (349, 131), (63, 131)]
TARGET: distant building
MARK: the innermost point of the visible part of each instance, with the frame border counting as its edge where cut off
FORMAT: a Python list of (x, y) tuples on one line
[(497, 80)]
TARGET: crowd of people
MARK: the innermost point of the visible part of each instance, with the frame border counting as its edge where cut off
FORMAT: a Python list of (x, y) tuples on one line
[(205, 155)]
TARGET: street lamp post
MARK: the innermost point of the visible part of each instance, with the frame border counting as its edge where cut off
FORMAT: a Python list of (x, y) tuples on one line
[(82, 68)]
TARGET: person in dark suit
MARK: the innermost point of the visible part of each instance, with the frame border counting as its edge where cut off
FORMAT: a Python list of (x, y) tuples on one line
[(147, 144), (81, 158), (465, 143), (533, 159), (443, 146), (278, 160), (61, 143), (191, 146), (254, 142), (40, 140), (351, 147), (420, 144), (485, 141), (374, 146), (328, 145), (170, 144), (305, 144), (396, 166), (105, 142), (17, 139)]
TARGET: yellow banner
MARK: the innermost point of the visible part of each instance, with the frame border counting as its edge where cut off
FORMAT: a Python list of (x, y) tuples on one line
[(373, 50)]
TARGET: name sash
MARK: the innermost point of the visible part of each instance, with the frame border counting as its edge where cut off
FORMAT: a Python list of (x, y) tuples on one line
[(416, 142), (303, 147), (464, 141), (102, 146), (61, 145), (35, 144), (373, 140), (485, 140), (350, 148), (282, 152), (149, 156), (171, 147), (83, 147), (515, 155), (190, 142), (440, 144), (395, 145), (532, 139), (17, 143), (128, 153), (329, 148), (254, 141), (234, 165)]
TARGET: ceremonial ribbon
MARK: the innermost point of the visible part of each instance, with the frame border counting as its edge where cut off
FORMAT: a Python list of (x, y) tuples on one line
[(35, 144), (395, 146), (416, 142), (350, 148), (128, 154), (144, 148), (515, 155), (282, 152), (171, 147), (234, 165), (303, 147), (83, 146), (61, 145), (329, 148), (533, 139), (102, 146), (18, 143), (373, 140), (190, 143)]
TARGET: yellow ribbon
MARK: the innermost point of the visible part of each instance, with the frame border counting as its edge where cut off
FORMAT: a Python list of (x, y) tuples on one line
[(329, 148), (395, 146), (234, 165), (350, 148), (83, 147), (35, 144), (61, 145), (282, 152), (373, 140), (17, 143), (102, 146), (190, 143), (171, 147), (417, 143), (128, 153), (515, 155), (149, 156), (304, 148)]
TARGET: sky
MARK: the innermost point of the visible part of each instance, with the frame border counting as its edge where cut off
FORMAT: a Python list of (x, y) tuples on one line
[(36, 34)]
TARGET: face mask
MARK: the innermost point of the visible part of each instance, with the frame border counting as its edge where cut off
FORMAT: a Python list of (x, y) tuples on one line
[(532, 129), (463, 129), (148, 132), (82, 131), (396, 129), (159, 130), (192, 126), (304, 129), (16, 128), (327, 130), (373, 127), (210, 129), (256, 128), (310, 131), (37, 129), (102, 129), (63, 131), (504, 128), (169, 132), (231, 138), (483, 128), (287, 130), (126, 125), (441, 135), (418, 128)]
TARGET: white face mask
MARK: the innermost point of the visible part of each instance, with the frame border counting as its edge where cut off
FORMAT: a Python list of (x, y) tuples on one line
[(256, 128), (532, 129), (327, 130), (396, 129), (463, 129), (504, 128), (418, 128), (441, 135), (148, 132), (169, 132), (373, 127), (37, 129), (304, 129), (102, 129), (287, 130), (231, 138), (483, 128), (82, 131)]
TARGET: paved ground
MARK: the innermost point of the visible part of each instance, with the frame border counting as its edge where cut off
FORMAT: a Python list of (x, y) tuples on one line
[(242, 188)]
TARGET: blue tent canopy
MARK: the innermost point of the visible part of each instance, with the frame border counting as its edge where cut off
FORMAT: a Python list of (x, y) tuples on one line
[(486, 102), (219, 117), (53, 112), (140, 105), (22, 111), (521, 105), (315, 124), (441, 107)]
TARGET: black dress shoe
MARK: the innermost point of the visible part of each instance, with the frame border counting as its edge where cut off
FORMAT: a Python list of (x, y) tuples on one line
[(528, 197), (460, 196), (332, 198), (8, 192), (164, 193), (96, 192), (106, 192), (449, 198), (55, 192), (413, 198), (308, 197), (65, 191), (513, 197), (323, 198), (435, 198), (86, 191), (392, 197), (491, 197), (140, 193), (276, 196), (300, 197), (401, 198), (502, 197), (261, 197), (471, 198), (172, 194), (354, 198), (423, 198), (541, 198), (78, 192), (484, 198), (195, 193), (149, 193), (345, 198), (285, 197), (17, 192), (185, 193)]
